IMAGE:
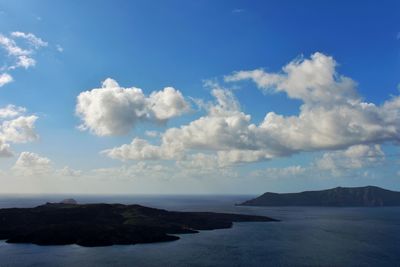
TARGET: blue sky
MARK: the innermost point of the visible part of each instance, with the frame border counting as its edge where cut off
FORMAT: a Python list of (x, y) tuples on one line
[(195, 47)]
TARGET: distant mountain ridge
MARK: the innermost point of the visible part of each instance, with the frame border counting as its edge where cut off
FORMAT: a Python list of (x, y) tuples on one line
[(367, 196)]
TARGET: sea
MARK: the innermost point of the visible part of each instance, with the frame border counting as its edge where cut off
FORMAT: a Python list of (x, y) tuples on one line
[(305, 236)]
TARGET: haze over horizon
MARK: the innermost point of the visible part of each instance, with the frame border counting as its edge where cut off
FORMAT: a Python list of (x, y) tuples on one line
[(198, 97)]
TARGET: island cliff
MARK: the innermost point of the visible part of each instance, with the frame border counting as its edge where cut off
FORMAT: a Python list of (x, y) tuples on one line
[(368, 196), (107, 224)]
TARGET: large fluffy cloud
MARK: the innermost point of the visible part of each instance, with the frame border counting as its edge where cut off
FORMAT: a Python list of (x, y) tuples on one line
[(332, 117), (314, 81), (333, 114), (167, 103), (114, 110)]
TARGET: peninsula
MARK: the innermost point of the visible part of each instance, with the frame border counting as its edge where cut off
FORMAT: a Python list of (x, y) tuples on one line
[(368, 196), (107, 224)]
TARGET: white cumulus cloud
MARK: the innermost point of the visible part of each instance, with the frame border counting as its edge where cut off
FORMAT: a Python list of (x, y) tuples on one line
[(167, 103), (313, 80), (115, 110), (19, 130), (333, 116), (29, 164)]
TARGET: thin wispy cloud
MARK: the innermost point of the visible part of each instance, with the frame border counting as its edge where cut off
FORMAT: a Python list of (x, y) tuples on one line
[(18, 56), (238, 10), (59, 48)]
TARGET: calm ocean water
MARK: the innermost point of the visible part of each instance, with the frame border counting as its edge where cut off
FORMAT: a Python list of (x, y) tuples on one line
[(304, 237)]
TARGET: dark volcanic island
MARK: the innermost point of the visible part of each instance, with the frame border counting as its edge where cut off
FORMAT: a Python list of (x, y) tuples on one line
[(107, 224), (367, 196)]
